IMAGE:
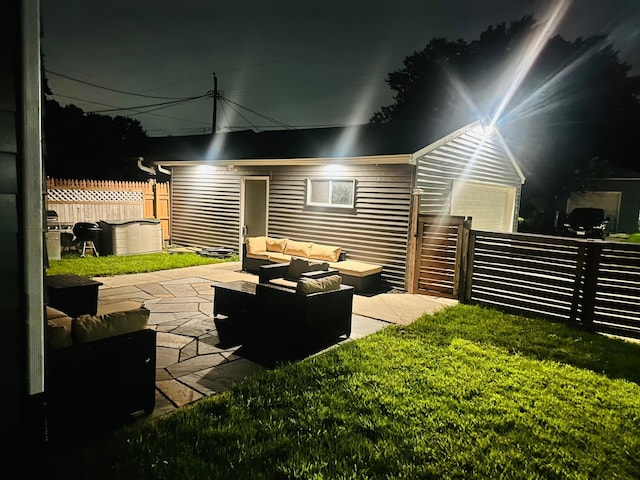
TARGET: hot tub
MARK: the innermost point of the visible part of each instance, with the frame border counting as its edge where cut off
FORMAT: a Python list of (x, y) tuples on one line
[(130, 237)]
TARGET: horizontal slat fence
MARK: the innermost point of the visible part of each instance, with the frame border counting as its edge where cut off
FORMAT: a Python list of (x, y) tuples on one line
[(593, 283)]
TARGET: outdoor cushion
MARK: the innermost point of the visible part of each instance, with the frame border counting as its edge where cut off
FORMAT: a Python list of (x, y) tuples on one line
[(297, 249), (325, 252), (355, 268), (298, 266), (88, 328), (276, 244), (278, 257), (256, 244), (59, 332), (314, 285), (262, 255)]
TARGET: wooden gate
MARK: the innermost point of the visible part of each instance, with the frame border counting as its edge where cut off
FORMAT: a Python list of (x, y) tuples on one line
[(439, 252)]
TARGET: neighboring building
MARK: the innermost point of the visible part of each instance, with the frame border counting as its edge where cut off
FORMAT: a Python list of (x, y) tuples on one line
[(618, 195), (349, 186)]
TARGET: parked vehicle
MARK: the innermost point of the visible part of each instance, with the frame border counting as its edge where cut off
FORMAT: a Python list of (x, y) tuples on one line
[(586, 222)]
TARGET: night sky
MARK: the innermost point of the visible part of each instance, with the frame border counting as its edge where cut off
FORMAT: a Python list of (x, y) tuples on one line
[(296, 62)]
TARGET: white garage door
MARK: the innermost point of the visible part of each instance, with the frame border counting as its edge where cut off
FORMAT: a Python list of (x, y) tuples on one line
[(491, 207)]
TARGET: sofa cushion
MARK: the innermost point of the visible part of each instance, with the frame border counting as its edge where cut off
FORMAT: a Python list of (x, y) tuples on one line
[(297, 249), (314, 285), (59, 332), (88, 328), (276, 244), (256, 244), (298, 266), (53, 313), (324, 252), (356, 269), (276, 257)]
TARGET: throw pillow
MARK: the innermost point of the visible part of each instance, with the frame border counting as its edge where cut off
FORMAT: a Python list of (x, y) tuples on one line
[(297, 266), (314, 285), (297, 249), (88, 328), (256, 244), (276, 244), (325, 252)]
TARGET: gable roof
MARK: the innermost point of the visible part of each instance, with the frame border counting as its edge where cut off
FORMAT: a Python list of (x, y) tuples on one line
[(368, 143), (334, 142)]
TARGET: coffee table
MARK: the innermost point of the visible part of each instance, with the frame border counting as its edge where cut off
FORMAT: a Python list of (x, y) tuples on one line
[(233, 307), (73, 294)]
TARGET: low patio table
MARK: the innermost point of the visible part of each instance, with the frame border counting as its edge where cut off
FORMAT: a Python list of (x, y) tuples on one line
[(233, 306), (73, 294)]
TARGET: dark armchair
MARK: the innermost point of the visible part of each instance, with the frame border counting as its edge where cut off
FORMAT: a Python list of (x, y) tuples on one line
[(300, 323)]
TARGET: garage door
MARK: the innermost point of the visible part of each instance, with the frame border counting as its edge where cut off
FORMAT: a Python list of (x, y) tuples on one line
[(491, 207)]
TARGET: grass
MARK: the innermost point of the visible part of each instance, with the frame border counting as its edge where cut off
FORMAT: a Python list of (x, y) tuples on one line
[(109, 265), (634, 238), (466, 393)]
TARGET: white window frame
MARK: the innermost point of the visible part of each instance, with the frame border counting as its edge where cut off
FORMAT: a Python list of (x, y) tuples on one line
[(331, 180)]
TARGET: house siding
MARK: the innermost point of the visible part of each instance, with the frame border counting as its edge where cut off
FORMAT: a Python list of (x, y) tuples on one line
[(206, 210), (470, 157)]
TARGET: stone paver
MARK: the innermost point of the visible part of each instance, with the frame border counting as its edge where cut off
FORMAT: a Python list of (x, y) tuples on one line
[(190, 362)]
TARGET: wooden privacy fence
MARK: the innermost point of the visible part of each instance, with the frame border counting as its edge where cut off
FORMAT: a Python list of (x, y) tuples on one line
[(93, 200), (594, 283), (440, 246)]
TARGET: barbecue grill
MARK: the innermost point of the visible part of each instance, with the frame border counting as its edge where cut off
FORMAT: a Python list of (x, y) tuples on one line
[(86, 233)]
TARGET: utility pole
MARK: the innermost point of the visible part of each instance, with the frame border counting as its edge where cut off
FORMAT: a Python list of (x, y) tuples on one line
[(215, 105)]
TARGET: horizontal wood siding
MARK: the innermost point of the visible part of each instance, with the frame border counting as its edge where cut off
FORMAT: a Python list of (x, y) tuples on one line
[(206, 211), (470, 157), (205, 208), (593, 283), (374, 231)]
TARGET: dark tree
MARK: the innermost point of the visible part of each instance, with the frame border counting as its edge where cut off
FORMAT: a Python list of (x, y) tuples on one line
[(576, 113), (91, 146)]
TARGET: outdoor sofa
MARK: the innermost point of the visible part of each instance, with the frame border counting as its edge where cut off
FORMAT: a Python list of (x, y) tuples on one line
[(297, 320), (99, 369), (257, 251)]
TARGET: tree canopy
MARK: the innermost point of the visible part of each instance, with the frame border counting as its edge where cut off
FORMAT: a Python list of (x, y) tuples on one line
[(574, 116), (88, 145)]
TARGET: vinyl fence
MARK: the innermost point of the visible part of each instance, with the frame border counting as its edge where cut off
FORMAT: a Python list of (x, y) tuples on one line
[(593, 283), (93, 200)]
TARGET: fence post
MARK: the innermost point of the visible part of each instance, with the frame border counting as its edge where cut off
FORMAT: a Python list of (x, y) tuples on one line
[(464, 253), (468, 281), (592, 262), (412, 242)]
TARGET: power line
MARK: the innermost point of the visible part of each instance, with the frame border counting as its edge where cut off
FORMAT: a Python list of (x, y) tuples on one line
[(266, 117), (131, 109), (108, 88), (172, 102)]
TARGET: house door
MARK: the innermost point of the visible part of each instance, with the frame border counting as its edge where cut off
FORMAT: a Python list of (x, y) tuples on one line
[(254, 207)]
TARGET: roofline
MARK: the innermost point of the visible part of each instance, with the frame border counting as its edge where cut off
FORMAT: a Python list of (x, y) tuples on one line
[(268, 162), (438, 143), (447, 138), (510, 155)]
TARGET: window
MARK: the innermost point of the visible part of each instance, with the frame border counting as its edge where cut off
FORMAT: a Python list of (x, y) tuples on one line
[(331, 193)]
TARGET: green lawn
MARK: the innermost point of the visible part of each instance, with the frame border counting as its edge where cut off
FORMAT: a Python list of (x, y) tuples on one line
[(104, 266), (468, 393)]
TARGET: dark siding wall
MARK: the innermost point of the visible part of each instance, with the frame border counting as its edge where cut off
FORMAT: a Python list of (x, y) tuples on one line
[(469, 157), (12, 356), (206, 211)]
